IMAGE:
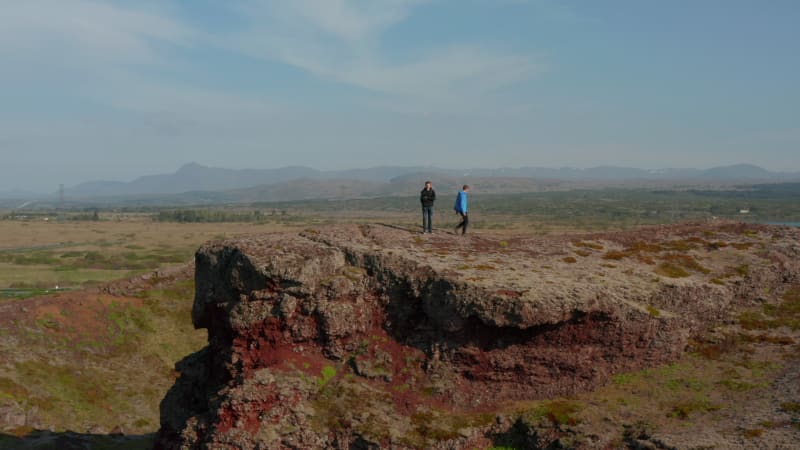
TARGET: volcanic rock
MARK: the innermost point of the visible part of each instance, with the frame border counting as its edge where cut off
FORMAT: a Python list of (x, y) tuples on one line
[(352, 337)]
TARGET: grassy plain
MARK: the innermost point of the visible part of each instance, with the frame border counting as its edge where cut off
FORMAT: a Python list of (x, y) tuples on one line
[(42, 254)]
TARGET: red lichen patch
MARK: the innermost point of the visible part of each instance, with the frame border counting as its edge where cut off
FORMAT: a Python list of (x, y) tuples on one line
[(270, 346), (246, 415), (72, 316)]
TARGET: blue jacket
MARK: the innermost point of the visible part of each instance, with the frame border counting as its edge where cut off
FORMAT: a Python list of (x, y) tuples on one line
[(461, 203)]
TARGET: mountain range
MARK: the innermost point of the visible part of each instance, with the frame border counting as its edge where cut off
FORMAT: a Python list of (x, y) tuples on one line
[(214, 185)]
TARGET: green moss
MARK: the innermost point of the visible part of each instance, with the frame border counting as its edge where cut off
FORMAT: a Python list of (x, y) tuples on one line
[(141, 423), (326, 375), (738, 385), (11, 390), (68, 390), (48, 322), (429, 426), (784, 314), (681, 245), (686, 383), (401, 387), (623, 379), (558, 412), (436, 426), (341, 404)]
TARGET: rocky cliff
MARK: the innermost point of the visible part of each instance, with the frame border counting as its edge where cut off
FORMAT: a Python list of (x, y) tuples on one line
[(354, 337)]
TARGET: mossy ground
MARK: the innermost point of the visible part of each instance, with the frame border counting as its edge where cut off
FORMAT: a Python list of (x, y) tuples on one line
[(86, 361), (727, 378)]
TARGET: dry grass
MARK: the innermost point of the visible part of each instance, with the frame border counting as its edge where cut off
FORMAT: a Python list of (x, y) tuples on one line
[(589, 245), (685, 261), (671, 270)]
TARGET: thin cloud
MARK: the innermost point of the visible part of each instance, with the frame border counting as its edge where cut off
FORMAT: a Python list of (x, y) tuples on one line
[(90, 30), (340, 41), (96, 51)]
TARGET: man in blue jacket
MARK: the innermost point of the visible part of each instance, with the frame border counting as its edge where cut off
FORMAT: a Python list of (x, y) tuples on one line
[(461, 209)]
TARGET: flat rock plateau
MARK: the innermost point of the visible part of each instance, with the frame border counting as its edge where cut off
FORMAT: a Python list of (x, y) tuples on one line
[(372, 336)]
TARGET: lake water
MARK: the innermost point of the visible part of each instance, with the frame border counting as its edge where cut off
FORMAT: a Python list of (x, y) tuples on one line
[(788, 224)]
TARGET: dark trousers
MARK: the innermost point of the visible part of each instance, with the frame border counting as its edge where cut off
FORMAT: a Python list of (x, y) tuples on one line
[(427, 219), (464, 223)]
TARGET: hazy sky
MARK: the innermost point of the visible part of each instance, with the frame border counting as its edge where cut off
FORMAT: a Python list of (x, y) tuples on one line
[(116, 89)]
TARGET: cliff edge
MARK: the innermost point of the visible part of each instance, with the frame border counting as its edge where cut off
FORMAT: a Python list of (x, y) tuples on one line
[(351, 337)]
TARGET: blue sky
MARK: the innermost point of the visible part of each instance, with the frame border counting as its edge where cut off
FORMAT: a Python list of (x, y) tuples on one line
[(116, 89)]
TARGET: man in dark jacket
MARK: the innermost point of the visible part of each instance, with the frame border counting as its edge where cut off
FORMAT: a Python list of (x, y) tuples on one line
[(427, 197)]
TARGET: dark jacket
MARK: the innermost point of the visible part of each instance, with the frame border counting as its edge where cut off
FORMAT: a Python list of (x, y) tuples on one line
[(427, 197)]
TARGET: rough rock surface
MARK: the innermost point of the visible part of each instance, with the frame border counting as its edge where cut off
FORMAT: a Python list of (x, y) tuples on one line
[(362, 337)]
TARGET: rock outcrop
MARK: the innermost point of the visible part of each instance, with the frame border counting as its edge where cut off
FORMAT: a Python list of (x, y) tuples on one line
[(362, 337)]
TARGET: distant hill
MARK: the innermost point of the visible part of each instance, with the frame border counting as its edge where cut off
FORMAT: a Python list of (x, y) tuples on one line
[(740, 172), (191, 177), (298, 183), (195, 177)]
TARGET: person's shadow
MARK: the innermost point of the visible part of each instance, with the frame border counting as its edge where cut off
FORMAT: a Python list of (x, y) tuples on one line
[(68, 440)]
